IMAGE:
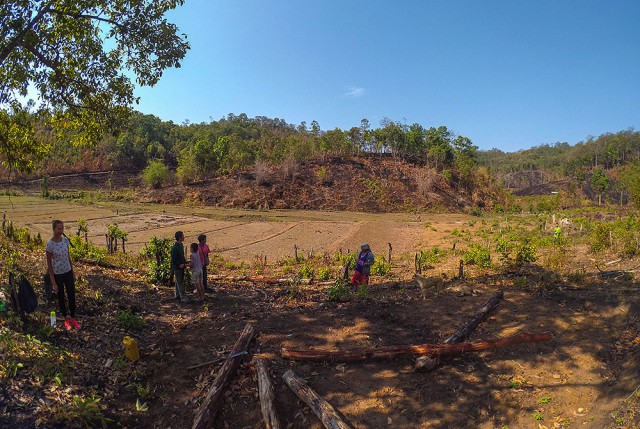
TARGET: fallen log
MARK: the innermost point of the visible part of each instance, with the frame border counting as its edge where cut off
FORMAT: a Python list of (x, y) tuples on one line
[(256, 279), (206, 414), (463, 332), (326, 413), (427, 363), (389, 352), (267, 398)]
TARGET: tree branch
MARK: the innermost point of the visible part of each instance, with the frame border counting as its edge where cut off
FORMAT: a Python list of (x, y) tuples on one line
[(9, 47), (96, 17)]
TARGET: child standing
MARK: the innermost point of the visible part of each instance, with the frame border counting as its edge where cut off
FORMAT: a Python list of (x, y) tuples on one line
[(195, 266), (61, 273), (203, 251)]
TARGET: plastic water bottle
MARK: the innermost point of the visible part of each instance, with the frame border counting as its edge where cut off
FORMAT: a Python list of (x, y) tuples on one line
[(53, 319)]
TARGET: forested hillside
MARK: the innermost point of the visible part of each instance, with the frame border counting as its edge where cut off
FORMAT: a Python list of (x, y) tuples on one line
[(199, 151), (263, 162), (608, 165)]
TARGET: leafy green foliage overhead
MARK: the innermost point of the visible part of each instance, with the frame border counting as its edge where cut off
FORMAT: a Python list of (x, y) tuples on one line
[(79, 56)]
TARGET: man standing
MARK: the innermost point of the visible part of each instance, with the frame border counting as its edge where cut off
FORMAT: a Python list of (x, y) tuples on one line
[(178, 263)]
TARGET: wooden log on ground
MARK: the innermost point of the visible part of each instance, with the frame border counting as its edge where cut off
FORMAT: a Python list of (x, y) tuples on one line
[(463, 332), (427, 363), (389, 352), (321, 408), (267, 398), (206, 414)]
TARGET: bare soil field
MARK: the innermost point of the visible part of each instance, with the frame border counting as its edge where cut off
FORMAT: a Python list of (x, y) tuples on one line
[(239, 234), (584, 377)]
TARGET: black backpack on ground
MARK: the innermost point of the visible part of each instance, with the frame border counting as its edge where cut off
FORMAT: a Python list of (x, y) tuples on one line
[(26, 296)]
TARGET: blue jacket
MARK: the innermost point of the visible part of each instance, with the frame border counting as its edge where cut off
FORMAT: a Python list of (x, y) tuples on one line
[(367, 259)]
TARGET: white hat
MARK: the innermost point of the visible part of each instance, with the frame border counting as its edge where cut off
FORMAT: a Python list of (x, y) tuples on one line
[(365, 246)]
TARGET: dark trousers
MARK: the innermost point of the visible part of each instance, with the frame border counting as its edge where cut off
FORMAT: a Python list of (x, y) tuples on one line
[(204, 277), (66, 281), (179, 277)]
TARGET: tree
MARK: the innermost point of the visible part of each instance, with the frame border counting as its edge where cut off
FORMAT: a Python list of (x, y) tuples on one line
[(156, 174), (78, 55), (630, 181), (600, 182)]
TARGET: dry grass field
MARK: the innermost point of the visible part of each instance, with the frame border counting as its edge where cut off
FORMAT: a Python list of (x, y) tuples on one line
[(240, 235)]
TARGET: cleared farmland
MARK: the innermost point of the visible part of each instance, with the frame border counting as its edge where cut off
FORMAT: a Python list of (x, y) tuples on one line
[(239, 234)]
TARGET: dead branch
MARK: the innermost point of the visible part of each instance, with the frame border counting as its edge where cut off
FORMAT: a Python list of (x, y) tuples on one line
[(389, 352), (206, 414), (267, 398), (427, 363), (321, 408)]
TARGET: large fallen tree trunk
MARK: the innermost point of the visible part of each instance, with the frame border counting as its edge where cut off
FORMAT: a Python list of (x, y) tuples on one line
[(267, 399), (427, 363), (321, 408), (206, 414), (388, 352), (256, 279)]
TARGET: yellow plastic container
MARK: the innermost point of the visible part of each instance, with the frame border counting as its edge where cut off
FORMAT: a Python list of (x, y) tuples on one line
[(131, 350)]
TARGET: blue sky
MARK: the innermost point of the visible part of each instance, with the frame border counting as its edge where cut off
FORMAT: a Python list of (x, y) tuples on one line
[(506, 74)]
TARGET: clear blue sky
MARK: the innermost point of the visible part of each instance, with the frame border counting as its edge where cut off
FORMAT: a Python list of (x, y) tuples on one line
[(507, 74)]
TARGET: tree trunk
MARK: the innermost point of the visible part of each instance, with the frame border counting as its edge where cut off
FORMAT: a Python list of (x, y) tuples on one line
[(390, 352), (463, 332), (206, 414), (321, 408), (427, 363), (267, 398)]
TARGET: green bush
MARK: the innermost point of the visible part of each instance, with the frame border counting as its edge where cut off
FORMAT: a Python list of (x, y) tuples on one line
[(306, 272), (159, 250), (346, 258), (478, 255), (81, 250), (340, 291), (526, 252), (129, 320), (156, 174), (381, 267), (430, 257), (324, 273)]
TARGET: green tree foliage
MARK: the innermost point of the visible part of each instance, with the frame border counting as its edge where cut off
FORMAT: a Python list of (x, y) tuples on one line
[(156, 174), (79, 56), (630, 181), (599, 182)]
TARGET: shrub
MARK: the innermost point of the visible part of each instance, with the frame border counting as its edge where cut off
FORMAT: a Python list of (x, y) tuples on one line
[(340, 291), (478, 255), (324, 273), (156, 174), (381, 267), (346, 259), (261, 171), (160, 265), (430, 257), (187, 170), (85, 250), (526, 252), (306, 272), (129, 320)]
